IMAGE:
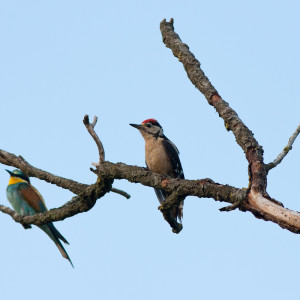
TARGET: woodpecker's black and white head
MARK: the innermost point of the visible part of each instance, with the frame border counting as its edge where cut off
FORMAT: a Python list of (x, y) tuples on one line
[(149, 128)]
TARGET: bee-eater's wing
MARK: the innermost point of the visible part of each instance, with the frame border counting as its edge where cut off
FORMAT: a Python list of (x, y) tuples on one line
[(32, 197)]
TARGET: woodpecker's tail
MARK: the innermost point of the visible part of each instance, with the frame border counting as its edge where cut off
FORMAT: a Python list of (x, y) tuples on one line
[(160, 195), (177, 211)]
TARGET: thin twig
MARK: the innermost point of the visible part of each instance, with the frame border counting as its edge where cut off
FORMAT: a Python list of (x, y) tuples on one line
[(285, 150), (120, 192), (231, 207), (94, 121), (90, 129)]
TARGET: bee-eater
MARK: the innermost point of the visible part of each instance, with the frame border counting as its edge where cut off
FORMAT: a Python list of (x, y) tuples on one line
[(26, 200)]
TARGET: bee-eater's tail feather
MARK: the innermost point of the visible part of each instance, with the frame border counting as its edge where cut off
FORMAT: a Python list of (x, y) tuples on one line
[(58, 234), (54, 234), (63, 252)]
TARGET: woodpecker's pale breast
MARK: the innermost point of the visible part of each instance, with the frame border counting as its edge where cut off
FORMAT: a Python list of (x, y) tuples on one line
[(157, 158)]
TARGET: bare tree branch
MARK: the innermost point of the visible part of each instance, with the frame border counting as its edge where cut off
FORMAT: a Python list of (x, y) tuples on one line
[(285, 150), (19, 162), (257, 200), (204, 188), (268, 209), (88, 194), (244, 137), (78, 204), (254, 199)]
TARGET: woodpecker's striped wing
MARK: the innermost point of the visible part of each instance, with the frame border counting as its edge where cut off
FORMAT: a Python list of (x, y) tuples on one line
[(173, 153)]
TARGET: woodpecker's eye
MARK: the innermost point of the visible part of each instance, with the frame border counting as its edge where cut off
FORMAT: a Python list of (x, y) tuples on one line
[(148, 124)]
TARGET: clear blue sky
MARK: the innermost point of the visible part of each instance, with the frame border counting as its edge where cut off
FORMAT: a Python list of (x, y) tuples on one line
[(61, 60)]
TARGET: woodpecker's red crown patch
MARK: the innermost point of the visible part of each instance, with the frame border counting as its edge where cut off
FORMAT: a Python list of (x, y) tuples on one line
[(153, 121)]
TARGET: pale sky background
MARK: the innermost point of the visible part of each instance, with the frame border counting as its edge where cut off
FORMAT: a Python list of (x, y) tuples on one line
[(61, 60)]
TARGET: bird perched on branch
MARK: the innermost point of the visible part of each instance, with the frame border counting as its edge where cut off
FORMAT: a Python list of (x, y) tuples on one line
[(26, 200), (162, 157)]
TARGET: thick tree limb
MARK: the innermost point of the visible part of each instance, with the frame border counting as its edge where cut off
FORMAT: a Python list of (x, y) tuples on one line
[(243, 135), (107, 172), (285, 150), (268, 210), (82, 203), (205, 188)]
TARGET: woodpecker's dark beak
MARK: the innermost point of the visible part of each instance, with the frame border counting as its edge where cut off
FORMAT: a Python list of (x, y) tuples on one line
[(137, 126), (10, 172)]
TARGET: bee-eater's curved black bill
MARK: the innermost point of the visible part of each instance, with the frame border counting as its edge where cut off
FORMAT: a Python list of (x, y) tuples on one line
[(9, 172)]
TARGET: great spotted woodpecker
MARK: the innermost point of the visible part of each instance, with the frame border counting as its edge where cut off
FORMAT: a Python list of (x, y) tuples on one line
[(162, 157)]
